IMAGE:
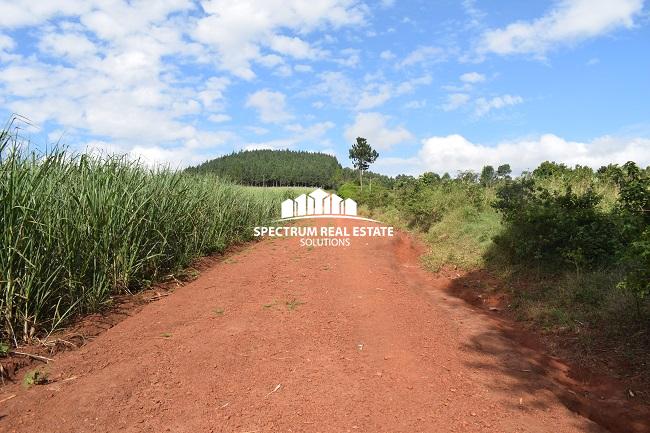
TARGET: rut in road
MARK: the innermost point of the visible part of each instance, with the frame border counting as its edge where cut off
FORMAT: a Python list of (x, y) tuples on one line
[(285, 338)]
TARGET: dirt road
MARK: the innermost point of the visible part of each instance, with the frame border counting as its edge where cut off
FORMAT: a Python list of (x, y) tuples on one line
[(283, 338)]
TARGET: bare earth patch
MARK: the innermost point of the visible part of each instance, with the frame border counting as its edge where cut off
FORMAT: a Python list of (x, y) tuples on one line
[(286, 338)]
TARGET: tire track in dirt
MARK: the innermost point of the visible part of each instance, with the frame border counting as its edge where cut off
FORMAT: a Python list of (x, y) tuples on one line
[(285, 338)]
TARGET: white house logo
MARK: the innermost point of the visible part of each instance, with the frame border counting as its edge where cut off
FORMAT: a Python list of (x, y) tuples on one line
[(320, 204)]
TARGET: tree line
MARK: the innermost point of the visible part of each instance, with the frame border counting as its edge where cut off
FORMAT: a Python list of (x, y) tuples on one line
[(275, 168)]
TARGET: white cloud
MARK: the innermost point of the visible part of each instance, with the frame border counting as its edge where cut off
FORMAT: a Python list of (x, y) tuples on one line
[(350, 57), (23, 13), (374, 99), (455, 101), (270, 145), (292, 46), (191, 152), (300, 135), (570, 21), (66, 45), (416, 104), (425, 54), (374, 127), (239, 30), (409, 86), (335, 85), (474, 14), (258, 130), (484, 106), (376, 94), (106, 69), (472, 77), (303, 68), (6, 43), (387, 55), (270, 60), (454, 152), (311, 132), (270, 105), (212, 92), (219, 118)]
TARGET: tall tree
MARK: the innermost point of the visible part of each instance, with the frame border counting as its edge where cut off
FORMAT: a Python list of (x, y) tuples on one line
[(488, 175), (362, 155), (503, 172)]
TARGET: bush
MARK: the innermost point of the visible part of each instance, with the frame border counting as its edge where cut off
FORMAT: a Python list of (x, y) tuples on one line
[(554, 228), (561, 230), (348, 190)]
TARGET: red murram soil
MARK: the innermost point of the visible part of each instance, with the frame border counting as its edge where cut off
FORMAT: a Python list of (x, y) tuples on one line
[(284, 338)]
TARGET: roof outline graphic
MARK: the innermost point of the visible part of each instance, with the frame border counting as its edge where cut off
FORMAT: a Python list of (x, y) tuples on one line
[(319, 204)]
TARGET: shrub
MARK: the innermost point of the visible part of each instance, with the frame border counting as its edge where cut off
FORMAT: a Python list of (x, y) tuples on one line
[(555, 228)]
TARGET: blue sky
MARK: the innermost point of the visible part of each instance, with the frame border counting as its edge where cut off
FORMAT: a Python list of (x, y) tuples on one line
[(442, 86)]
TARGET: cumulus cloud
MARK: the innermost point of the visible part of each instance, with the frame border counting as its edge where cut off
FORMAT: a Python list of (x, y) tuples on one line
[(311, 132), (374, 127), (372, 99), (212, 92), (570, 21), (6, 43), (373, 94), (144, 72), (424, 54), (455, 101), (71, 45), (219, 118), (240, 30), (300, 135), (102, 70), (386, 55), (279, 144), (191, 152), (270, 105), (336, 86), (484, 106), (416, 104), (454, 152), (472, 77), (23, 13), (303, 68)]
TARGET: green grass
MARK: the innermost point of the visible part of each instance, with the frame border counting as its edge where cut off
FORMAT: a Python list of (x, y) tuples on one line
[(461, 238), (76, 229), (458, 224)]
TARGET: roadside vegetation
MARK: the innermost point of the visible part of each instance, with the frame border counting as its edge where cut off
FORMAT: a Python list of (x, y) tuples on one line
[(571, 245), (77, 229)]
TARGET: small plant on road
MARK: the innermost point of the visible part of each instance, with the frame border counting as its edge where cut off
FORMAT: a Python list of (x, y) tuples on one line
[(293, 304), (35, 377)]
